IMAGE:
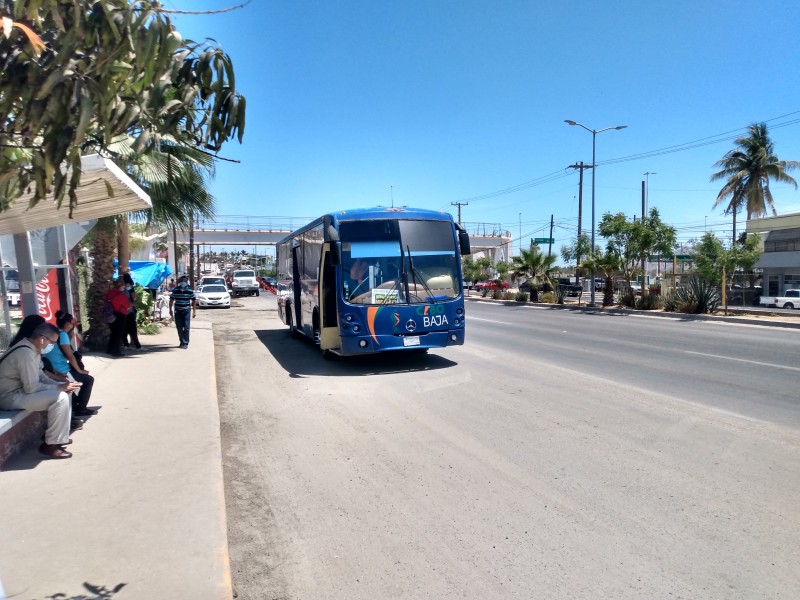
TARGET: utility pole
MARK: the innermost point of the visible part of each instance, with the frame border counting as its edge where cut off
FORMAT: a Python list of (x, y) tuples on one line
[(581, 167), (190, 266), (644, 272), (519, 242), (647, 195), (550, 239), (459, 205)]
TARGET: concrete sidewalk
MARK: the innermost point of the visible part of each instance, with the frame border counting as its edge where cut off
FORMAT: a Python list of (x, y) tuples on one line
[(139, 510)]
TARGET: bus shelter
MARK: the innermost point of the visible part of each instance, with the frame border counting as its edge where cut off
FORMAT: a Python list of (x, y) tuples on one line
[(104, 190)]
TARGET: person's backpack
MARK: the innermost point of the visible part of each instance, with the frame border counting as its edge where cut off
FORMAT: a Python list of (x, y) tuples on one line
[(108, 313)]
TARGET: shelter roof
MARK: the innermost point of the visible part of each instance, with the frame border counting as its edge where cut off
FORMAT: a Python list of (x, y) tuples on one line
[(100, 175)]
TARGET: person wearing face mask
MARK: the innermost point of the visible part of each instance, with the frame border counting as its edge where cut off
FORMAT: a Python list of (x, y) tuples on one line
[(121, 305), (182, 298), (24, 386), (62, 361), (130, 336)]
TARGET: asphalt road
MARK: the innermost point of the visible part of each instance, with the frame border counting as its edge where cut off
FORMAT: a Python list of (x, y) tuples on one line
[(555, 455)]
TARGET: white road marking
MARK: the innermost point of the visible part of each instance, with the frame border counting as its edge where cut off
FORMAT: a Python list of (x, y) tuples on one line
[(752, 362), (488, 320)]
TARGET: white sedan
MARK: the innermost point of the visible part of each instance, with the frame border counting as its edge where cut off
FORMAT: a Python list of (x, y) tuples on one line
[(213, 295)]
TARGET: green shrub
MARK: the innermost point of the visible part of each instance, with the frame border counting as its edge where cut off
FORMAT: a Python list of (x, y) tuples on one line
[(144, 306), (521, 296), (670, 302), (697, 297), (508, 296), (548, 298), (627, 299), (650, 302), (148, 329), (706, 294)]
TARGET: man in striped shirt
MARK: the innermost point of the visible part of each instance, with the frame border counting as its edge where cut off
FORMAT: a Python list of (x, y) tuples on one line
[(185, 308)]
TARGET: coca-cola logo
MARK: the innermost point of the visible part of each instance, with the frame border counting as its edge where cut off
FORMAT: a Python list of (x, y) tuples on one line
[(43, 299)]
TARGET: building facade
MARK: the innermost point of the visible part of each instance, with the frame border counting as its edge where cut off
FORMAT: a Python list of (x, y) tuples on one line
[(780, 261)]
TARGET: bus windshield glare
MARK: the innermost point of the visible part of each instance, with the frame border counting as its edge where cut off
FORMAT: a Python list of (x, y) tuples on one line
[(391, 261)]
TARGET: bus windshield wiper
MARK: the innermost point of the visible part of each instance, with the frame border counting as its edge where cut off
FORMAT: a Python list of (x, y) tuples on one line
[(414, 273)]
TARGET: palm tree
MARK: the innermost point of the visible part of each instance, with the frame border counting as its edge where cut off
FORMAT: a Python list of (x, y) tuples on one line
[(748, 170), (608, 264), (535, 266), (175, 177)]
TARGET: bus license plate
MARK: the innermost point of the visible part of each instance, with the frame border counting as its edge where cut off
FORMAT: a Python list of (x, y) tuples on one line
[(411, 341)]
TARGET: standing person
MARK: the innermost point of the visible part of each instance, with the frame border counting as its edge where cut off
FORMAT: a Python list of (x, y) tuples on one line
[(63, 361), (23, 386), (130, 336), (185, 307), (121, 304)]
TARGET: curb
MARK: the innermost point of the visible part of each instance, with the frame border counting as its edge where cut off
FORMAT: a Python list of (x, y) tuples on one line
[(648, 313), (20, 428)]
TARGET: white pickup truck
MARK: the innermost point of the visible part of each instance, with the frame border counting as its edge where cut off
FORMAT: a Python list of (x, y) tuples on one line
[(790, 299)]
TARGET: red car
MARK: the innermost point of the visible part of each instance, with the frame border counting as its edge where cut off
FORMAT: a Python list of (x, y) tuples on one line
[(491, 286)]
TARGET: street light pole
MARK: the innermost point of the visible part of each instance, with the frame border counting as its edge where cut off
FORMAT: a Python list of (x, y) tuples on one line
[(594, 133)]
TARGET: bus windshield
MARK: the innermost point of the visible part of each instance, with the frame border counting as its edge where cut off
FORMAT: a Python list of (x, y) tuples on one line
[(390, 261)]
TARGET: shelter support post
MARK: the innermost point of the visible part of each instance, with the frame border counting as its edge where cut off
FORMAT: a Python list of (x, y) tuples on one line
[(27, 275)]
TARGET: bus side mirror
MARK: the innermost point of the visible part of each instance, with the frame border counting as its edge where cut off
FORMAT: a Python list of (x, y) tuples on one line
[(336, 253), (463, 242)]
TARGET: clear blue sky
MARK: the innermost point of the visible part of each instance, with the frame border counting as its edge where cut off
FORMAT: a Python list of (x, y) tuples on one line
[(441, 101)]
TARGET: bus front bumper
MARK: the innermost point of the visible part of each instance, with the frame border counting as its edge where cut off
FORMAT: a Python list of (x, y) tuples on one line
[(351, 344)]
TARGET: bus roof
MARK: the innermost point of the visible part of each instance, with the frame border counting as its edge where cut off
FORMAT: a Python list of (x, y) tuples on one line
[(378, 212)]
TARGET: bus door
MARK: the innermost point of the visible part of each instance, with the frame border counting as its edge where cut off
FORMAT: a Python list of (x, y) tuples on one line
[(296, 302), (329, 322)]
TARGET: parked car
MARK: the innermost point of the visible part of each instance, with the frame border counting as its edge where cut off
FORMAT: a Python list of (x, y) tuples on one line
[(213, 294), (13, 298), (491, 286), (790, 299), (570, 288), (244, 282)]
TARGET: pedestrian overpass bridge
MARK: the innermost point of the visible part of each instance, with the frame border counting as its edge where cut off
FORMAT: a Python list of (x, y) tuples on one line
[(246, 231)]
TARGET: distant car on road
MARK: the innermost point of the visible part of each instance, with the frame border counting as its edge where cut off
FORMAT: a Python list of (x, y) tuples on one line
[(212, 280), (243, 282), (213, 295)]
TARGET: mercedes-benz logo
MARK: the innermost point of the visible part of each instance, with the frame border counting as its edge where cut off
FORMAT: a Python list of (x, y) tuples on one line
[(411, 325)]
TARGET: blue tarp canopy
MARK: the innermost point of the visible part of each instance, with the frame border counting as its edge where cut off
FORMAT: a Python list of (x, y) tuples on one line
[(146, 273)]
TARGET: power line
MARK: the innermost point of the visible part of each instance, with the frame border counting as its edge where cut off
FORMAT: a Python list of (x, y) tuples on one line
[(706, 141)]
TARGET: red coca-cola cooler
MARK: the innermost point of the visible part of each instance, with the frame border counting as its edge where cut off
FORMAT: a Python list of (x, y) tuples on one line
[(47, 296)]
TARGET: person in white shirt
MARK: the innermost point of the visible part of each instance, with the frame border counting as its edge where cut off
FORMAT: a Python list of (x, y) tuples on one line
[(24, 386)]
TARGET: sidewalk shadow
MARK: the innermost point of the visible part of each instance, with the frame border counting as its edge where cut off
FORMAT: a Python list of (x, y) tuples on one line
[(95, 592), (301, 358)]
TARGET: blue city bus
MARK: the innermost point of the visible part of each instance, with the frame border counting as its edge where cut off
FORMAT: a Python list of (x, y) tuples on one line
[(372, 280)]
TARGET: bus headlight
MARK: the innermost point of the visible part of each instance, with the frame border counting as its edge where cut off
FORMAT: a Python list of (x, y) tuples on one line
[(453, 337), (362, 343), (356, 328)]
